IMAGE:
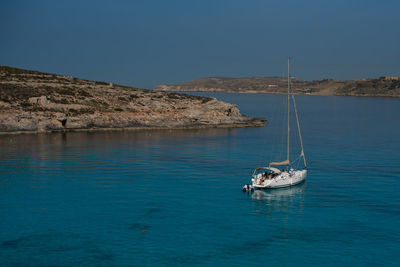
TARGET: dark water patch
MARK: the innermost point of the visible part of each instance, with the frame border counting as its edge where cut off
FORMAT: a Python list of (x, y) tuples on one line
[(150, 212), (392, 209), (346, 232), (100, 255), (56, 246), (13, 243), (345, 198), (186, 259), (53, 242), (216, 225), (139, 226), (256, 244)]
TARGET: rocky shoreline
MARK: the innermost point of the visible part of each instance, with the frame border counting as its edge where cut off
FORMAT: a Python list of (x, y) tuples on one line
[(34, 102)]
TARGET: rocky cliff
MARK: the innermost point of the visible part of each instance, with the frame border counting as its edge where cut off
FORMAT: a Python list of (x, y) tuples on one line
[(38, 102)]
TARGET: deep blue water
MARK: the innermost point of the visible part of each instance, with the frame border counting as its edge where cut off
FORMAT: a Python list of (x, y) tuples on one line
[(85, 198)]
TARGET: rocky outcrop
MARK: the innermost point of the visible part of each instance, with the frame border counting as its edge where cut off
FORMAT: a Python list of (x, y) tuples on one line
[(39, 102)]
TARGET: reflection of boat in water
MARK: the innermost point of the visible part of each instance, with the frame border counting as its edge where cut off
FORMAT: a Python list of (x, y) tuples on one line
[(281, 194), (278, 204)]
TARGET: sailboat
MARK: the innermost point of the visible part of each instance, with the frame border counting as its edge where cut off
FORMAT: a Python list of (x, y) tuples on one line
[(282, 173)]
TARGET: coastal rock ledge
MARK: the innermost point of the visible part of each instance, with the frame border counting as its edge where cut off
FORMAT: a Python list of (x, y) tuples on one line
[(32, 101)]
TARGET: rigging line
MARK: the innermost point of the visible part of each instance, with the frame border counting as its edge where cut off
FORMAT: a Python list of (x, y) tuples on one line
[(288, 103), (298, 127), (297, 165), (297, 162), (297, 159)]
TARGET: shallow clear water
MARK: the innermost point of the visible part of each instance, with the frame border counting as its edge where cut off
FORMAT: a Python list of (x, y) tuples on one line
[(173, 197)]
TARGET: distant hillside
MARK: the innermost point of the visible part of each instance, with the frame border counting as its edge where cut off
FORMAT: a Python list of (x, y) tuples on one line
[(37, 102), (384, 86), (371, 87)]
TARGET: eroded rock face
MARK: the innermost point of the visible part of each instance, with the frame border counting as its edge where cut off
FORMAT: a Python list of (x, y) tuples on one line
[(34, 101), (17, 122)]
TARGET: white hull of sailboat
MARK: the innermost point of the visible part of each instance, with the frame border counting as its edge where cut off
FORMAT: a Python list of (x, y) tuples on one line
[(284, 179)]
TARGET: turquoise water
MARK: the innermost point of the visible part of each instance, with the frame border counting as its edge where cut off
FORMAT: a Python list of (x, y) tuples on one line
[(156, 198)]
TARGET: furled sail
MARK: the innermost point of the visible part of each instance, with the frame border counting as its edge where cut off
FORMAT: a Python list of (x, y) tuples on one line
[(285, 162)]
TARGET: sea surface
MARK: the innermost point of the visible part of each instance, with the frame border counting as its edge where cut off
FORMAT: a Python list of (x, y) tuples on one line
[(173, 197)]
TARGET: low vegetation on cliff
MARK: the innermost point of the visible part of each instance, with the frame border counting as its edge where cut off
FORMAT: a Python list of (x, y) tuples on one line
[(371, 87), (37, 101)]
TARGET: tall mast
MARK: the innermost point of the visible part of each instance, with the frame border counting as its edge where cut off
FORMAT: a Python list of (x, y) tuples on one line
[(288, 107)]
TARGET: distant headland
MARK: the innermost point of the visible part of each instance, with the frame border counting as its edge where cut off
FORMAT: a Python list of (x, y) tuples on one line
[(32, 101), (383, 86)]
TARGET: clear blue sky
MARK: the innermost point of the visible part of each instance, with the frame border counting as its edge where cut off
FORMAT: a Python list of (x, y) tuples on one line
[(144, 43)]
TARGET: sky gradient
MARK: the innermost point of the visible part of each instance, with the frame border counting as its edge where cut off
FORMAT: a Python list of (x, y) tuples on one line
[(145, 43)]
